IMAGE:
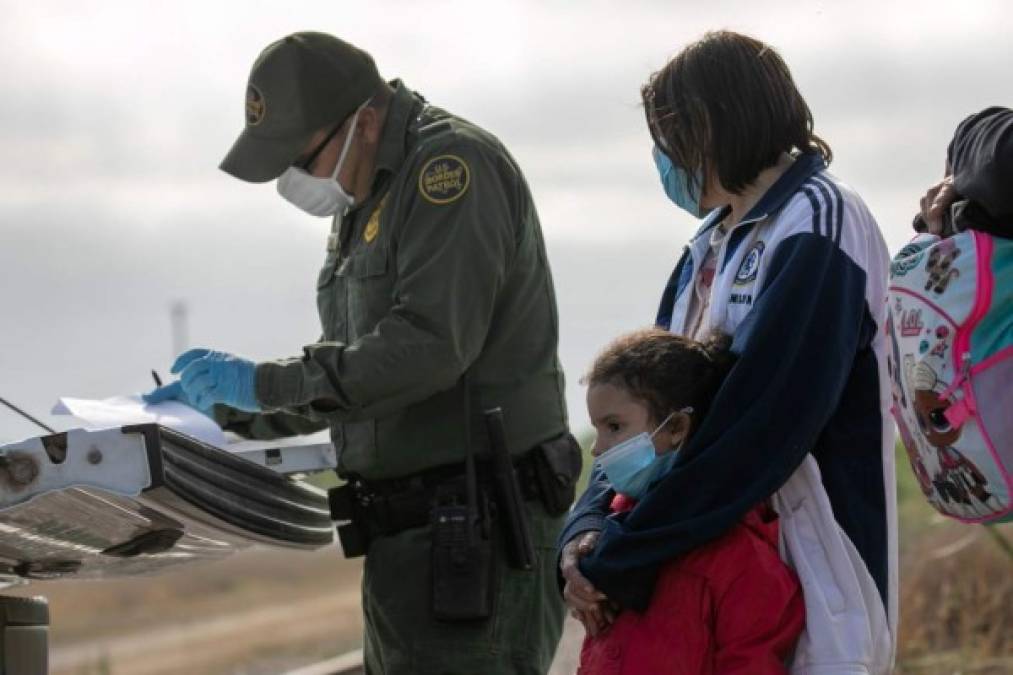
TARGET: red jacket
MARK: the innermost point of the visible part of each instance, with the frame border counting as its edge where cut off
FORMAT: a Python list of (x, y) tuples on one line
[(731, 606)]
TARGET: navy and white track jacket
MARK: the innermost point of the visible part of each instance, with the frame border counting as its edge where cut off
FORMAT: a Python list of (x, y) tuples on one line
[(801, 286)]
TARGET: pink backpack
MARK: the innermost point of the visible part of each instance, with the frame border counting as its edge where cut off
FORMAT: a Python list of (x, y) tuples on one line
[(951, 366)]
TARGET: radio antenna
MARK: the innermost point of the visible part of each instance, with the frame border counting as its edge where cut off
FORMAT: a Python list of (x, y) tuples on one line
[(26, 415)]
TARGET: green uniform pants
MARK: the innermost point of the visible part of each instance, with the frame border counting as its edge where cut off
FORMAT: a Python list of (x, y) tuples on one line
[(402, 637)]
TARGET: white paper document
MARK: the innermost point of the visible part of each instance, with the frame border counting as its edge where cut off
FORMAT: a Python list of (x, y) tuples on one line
[(121, 410)]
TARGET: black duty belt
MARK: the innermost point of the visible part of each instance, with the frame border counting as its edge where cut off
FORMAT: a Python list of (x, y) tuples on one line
[(393, 505)]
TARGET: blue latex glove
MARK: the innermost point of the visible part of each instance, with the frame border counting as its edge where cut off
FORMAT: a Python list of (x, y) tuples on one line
[(209, 377), (173, 392)]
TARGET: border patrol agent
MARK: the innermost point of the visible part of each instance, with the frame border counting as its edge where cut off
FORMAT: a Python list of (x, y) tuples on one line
[(436, 303)]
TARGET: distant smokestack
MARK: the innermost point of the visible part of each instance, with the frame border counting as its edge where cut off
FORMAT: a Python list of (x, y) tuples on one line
[(180, 335)]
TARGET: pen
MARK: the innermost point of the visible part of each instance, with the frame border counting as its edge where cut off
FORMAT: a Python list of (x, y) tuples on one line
[(158, 380)]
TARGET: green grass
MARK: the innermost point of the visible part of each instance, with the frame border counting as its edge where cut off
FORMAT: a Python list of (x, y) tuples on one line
[(915, 515), (586, 440)]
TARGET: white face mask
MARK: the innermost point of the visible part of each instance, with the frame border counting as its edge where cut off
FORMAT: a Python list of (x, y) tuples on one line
[(321, 197)]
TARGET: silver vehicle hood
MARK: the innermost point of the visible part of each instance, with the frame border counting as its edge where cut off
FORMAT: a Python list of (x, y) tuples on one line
[(137, 499)]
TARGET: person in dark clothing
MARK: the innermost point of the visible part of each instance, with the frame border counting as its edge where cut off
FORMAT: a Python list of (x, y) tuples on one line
[(976, 191)]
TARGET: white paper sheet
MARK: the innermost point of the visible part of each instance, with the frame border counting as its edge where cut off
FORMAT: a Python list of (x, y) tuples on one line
[(121, 410)]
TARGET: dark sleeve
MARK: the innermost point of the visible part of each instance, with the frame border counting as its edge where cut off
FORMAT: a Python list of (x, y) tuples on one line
[(265, 426), (795, 352), (589, 511), (981, 156)]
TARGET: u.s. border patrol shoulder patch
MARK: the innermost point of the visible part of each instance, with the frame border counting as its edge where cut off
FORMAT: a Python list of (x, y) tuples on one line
[(444, 179)]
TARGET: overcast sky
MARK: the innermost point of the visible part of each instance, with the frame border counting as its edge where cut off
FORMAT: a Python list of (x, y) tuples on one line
[(114, 117)]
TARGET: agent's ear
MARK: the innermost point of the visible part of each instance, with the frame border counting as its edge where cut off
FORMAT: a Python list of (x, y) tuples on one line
[(678, 428), (370, 125)]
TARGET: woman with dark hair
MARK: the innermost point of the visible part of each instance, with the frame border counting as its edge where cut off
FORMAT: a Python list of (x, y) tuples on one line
[(789, 261)]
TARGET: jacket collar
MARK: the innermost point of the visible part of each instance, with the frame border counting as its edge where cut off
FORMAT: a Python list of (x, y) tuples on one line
[(391, 153), (778, 194)]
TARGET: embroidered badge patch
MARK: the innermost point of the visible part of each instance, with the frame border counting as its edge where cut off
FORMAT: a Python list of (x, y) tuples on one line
[(444, 179), (255, 106), (373, 226), (750, 265), (908, 259)]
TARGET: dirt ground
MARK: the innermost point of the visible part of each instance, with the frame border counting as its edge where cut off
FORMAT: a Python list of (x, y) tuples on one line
[(261, 612)]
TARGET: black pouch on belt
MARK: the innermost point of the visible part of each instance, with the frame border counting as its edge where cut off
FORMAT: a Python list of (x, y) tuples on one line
[(463, 555), (354, 535), (557, 468)]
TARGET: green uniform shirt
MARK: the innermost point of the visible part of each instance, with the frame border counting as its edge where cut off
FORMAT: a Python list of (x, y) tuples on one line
[(441, 272)]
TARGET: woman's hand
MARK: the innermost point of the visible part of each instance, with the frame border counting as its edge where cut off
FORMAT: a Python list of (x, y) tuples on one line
[(597, 621), (587, 604)]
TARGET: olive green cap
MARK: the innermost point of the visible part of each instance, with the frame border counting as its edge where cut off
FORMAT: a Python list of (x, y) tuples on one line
[(298, 85)]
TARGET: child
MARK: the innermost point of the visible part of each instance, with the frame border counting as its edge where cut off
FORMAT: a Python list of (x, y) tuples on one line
[(730, 606)]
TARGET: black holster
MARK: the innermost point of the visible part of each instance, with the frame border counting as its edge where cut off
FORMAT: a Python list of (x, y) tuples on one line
[(511, 514), (345, 505)]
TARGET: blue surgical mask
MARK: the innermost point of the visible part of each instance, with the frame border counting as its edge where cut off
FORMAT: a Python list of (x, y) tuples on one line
[(673, 179), (633, 465)]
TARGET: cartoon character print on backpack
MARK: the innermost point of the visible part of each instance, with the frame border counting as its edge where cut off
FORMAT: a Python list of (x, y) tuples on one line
[(917, 465), (957, 481), (893, 362), (909, 258), (940, 266), (942, 345)]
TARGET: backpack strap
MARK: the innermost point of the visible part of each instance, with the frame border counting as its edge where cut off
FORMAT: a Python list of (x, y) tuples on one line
[(958, 413)]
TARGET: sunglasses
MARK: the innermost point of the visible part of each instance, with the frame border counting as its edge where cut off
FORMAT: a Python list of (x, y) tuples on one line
[(306, 163)]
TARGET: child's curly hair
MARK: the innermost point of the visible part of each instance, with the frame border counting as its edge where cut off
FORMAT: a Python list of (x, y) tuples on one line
[(666, 371)]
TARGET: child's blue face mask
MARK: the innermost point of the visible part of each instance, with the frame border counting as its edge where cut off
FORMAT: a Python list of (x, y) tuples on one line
[(633, 465), (673, 179)]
